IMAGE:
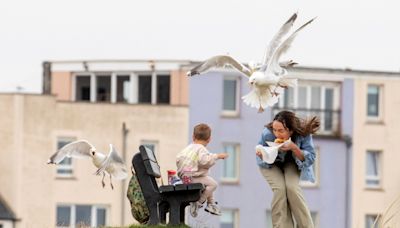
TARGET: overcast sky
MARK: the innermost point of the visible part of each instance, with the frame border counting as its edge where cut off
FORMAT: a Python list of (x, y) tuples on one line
[(355, 34)]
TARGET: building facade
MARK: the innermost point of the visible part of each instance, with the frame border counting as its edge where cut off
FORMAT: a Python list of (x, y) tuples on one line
[(350, 163), (33, 127)]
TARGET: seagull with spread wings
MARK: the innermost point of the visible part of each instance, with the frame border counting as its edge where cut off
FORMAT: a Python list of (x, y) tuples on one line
[(112, 164), (268, 79)]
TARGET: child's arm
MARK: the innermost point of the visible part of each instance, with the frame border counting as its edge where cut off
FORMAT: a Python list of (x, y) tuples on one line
[(222, 155)]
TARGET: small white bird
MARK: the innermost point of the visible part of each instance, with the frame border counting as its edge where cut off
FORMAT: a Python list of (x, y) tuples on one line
[(111, 164), (267, 79)]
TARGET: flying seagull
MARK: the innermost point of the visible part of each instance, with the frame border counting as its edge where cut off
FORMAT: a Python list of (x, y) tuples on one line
[(266, 80), (112, 164)]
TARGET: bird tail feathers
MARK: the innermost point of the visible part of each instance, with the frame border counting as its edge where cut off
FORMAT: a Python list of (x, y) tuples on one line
[(254, 100)]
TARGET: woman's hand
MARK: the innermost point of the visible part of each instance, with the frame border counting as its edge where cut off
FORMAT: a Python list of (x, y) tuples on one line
[(259, 154), (287, 146), (291, 146)]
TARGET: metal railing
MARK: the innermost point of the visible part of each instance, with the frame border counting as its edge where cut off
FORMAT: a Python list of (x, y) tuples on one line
[(330, 119)]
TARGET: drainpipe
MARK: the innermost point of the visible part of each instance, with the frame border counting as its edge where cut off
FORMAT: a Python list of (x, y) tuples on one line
[(125, 132), (46, 78), (349, 142)]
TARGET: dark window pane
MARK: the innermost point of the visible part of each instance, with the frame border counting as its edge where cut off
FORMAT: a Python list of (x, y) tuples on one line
[(83, 215), (163, 88), (145, 89), (289, 98), (123, 88), (101, 217), (82, 88), (328, 107), (63, 215), (302, 99), (373, 100), (229, 95), (103, 88)]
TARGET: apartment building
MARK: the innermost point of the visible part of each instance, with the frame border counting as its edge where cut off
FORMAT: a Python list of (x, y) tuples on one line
[(355, 166), (121, 103)]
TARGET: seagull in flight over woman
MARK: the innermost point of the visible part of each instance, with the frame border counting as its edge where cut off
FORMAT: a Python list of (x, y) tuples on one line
[(267, 80)]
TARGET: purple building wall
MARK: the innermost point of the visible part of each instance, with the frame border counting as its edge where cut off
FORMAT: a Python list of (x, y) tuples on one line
[(252, 196)]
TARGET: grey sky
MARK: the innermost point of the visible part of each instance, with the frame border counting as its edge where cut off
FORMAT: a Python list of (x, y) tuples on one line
[(355, 34)]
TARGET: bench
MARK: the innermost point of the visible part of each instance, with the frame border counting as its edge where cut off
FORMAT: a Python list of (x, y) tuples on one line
[(166, 198)]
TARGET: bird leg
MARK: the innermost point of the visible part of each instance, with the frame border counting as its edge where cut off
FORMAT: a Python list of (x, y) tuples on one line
[(112, 186), (102, 180), (260, 109)]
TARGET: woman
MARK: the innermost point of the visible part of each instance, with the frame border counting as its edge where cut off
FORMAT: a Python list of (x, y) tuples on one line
[(294, 162)]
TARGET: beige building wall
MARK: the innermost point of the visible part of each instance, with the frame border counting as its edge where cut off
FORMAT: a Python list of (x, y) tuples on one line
[(382, 135), (29, 127), (179, 88), (61, 85)]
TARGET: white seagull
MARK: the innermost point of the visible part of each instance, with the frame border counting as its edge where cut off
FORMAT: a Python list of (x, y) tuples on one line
[(112, 164), (267, 80)]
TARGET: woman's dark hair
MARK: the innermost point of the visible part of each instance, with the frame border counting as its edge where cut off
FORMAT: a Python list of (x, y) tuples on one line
[(300, 127)]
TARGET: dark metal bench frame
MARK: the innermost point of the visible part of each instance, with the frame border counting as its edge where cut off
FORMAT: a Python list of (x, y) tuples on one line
[(166, 198)]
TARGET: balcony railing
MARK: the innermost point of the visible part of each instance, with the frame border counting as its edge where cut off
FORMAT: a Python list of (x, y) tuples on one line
[(330, 119)]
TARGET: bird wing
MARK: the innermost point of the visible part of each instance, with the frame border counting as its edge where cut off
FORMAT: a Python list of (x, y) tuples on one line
[(273, 65), (114, 165), (276, 40), (219, 61), (76, 149)]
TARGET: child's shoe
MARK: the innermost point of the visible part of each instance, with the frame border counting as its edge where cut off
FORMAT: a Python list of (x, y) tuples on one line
[(212, 208), (194, 208)]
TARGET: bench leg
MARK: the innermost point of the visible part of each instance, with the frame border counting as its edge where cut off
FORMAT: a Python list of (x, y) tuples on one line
[(154, 216), (163, 208), (182, 212), (174, 213)]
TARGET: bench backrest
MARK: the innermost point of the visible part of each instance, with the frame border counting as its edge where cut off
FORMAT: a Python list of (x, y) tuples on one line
[(150, 162)]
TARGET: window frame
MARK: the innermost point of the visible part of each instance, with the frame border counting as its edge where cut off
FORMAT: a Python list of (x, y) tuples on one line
[(379, 177), (93, 214), (370, 215), (134, 85), (323, 88), (379, 118), (235, 212), (60, 166), (231, 113), (236, 179)]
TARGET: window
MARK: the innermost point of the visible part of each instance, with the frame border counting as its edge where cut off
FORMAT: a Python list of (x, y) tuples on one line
[(269, 220), (103, 84), (82, 91), (123, 88), (81, 215), (314, 99), (144, 89), (230, 97), (315, 167), (373, 164), (373, 101), (163, 87), (230, 165), (64, 168), (229, 218), (370, 221)]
